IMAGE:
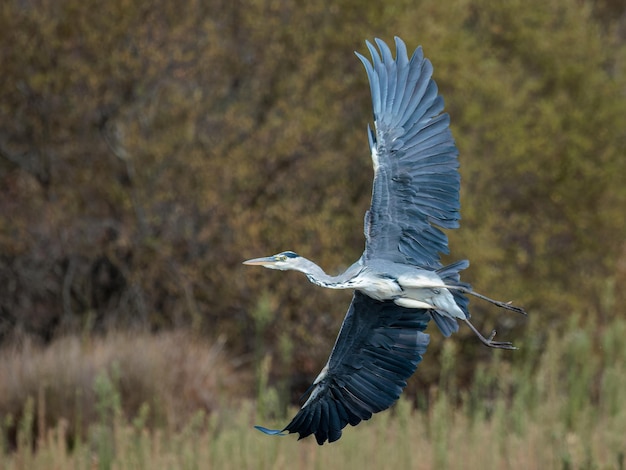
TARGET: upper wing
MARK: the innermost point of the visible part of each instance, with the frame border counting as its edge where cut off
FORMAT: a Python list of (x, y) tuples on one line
[(416, 178), (377, 350)]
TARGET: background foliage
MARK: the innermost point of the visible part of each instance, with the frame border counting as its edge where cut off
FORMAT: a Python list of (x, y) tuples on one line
[(147, 148)]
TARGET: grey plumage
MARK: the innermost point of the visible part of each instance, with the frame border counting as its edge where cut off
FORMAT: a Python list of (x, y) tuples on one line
[(399, 281)]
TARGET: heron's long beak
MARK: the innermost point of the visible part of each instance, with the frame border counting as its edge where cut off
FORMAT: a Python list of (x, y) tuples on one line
[(268, 260)]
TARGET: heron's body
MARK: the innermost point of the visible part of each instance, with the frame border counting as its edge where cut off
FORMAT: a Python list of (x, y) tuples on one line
[(406, 285), (400, 283)]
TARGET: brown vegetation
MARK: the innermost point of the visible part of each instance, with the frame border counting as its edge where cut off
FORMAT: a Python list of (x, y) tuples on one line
[(147, 148), (167, 377)]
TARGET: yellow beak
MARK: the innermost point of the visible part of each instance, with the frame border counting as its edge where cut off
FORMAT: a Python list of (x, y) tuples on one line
[(261, 261)]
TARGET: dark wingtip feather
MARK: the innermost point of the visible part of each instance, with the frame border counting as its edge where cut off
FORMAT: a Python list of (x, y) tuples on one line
[(271, 432)]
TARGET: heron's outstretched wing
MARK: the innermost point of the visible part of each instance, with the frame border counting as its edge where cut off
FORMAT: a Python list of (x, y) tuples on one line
[(377, 350), (416, 178)]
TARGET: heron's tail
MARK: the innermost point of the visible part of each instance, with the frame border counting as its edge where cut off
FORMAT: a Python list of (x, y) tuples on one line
[(450, 276)]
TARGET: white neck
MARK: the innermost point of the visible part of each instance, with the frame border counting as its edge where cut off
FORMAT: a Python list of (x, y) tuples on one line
[(317, 275)]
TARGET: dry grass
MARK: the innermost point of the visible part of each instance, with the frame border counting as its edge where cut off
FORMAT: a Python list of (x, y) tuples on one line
[(445, 437), (555, 407), (174, 374)]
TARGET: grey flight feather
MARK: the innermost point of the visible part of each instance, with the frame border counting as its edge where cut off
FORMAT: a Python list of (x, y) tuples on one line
[(416, 180)]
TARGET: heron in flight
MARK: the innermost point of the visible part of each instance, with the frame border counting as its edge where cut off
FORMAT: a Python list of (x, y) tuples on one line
[(399, 282)]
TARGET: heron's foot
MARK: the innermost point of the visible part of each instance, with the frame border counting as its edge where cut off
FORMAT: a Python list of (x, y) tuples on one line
[(495, 344), (489, 341)]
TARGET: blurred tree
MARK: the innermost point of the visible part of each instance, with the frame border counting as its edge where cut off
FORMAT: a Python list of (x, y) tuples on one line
[(146, 148)]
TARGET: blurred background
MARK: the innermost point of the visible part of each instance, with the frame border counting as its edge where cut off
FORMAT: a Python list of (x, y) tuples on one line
[(147, 148)]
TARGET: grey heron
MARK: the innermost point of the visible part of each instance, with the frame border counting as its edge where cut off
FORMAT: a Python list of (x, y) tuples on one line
[(399, 282)]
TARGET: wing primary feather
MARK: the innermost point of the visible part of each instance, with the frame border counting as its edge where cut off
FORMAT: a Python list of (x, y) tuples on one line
[(388, 65), (374, 84), (415, 96), (413, 76), (382, 80), (271, 432), (402, 66), (334, 422), (425, 102), (323, 428)]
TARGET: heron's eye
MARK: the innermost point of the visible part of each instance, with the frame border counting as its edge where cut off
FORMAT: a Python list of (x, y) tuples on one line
[(282, 258)]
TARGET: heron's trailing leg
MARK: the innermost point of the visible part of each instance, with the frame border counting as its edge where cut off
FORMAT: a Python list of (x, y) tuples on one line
[(505, 305), (489, 341)]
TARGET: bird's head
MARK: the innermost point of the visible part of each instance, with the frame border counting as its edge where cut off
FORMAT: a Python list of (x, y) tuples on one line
[(283, 261)]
